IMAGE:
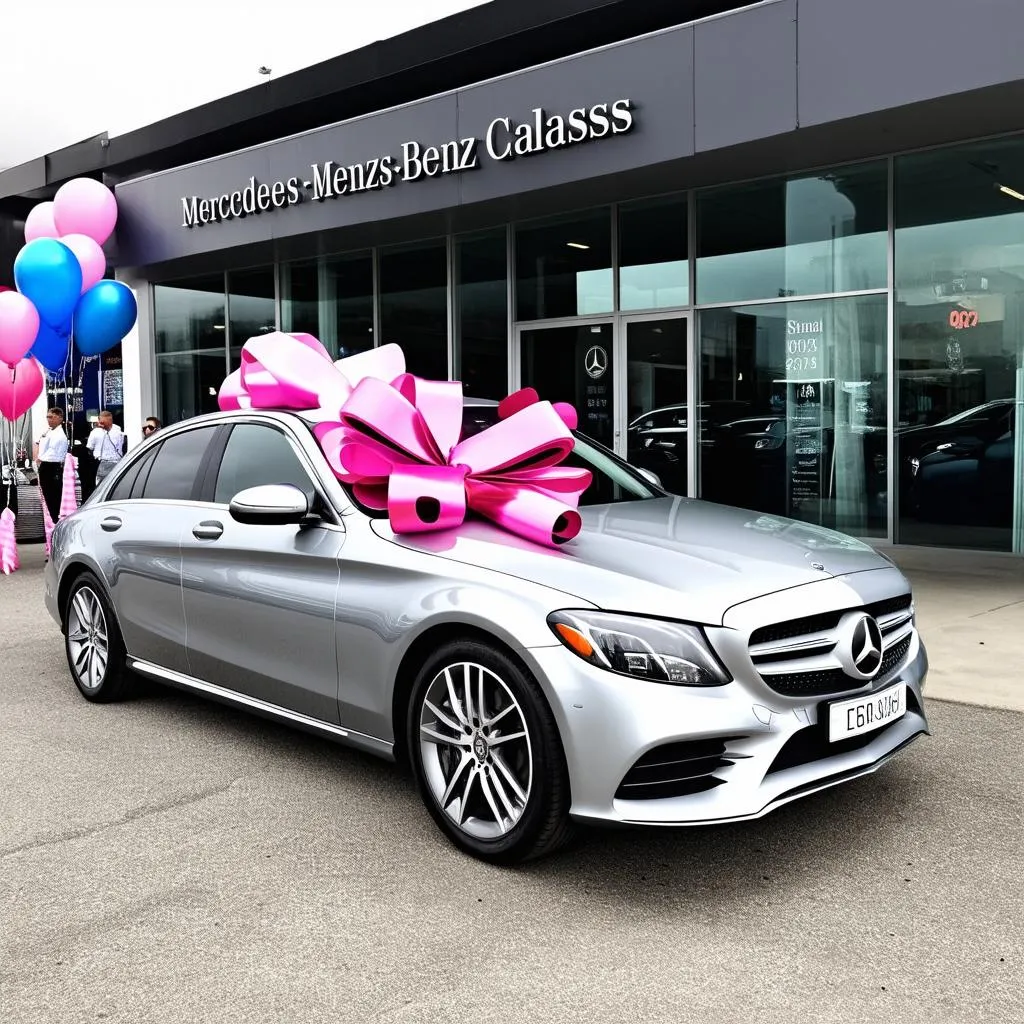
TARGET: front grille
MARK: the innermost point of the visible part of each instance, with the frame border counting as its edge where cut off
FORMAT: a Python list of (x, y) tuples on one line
[(811, 743), (678, 769), (798, 658)]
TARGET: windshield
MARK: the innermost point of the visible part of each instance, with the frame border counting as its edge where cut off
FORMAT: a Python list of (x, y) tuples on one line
[(613, 480)]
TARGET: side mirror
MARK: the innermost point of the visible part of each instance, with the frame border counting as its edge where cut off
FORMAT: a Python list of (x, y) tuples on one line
[(650, 477), (270, 505)]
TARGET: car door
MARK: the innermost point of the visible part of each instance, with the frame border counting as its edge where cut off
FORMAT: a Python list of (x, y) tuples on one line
[(142, 518), (260, 600)]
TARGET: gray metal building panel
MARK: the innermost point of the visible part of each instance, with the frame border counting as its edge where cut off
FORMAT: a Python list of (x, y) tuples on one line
[(858, 57), (745, 76)]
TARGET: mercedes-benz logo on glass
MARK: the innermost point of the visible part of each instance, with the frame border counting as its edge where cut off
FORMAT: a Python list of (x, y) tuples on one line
[(595, 362), (860, 648)]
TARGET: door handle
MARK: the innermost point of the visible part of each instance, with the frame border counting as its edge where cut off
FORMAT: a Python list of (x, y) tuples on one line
[(111, 523), (209, 529)]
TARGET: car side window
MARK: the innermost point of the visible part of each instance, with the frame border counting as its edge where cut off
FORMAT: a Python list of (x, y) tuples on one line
[(174, 468), (255, 455), (122, 490)]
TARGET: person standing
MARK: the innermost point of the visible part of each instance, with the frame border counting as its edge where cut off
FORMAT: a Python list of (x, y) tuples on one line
[(48, 453), (151, 425), (106, 443)]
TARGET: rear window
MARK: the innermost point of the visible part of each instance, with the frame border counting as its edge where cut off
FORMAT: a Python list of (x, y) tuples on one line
[(173, 476)]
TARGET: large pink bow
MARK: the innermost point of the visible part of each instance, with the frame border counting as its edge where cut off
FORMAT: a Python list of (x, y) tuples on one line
[(395, 439)]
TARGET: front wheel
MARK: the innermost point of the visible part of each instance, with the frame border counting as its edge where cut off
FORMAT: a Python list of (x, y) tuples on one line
[(486, 755)]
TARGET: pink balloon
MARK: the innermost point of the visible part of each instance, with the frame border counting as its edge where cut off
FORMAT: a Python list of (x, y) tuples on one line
[(90, 256), (19, 325), (39, 223), (20, 386), (85, 207)]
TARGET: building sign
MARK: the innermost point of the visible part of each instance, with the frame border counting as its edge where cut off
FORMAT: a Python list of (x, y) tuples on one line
[(504, 140), (807, 387)]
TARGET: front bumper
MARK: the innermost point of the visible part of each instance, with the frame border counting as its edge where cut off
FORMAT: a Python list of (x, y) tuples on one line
[(776, 749)]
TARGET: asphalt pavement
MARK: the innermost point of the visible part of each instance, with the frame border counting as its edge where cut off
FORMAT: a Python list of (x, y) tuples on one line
[(172, 860)]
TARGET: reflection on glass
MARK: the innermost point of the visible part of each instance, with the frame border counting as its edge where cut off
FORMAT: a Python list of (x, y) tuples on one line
[(574, 364), (189, 314), (481, 308), (346, 311), (656, 399), (300, 310), (414, 306), (564, 266), (188, 383), (959, 270), (332, 299), (797, 236), (793, 411), (250, 304), (653, 272)]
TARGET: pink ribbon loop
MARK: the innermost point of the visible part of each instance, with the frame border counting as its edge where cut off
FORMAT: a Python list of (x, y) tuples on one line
[(395, 439)]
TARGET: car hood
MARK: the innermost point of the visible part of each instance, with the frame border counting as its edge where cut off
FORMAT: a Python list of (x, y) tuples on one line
[(670, 556)]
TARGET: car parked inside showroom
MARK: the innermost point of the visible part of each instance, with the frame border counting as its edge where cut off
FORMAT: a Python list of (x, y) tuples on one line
[(677, 663)]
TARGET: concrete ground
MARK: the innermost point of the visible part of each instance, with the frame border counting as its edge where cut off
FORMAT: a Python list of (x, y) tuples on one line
[(172, 860)]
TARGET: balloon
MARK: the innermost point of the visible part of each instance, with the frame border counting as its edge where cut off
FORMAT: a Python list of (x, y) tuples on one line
[(19, 324), (105, 314), (48, 273), (52, 347), (39, 223), (90, 256), (85, 207), (20, 386)]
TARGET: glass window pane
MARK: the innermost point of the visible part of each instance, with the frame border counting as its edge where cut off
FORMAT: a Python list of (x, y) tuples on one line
[(173, 475), (188, 383), (797, 236), (656, 399), (564, 266), (299, 292), (250, 305), (346, 310), (414, 306), (959, 269), (793, 411), (481, 304), (256, 455), (574, 365), (190, 314), (653, 270)]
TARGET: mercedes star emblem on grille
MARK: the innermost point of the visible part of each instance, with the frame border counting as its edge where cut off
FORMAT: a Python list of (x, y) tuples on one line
[(595, 362), (860, 646)]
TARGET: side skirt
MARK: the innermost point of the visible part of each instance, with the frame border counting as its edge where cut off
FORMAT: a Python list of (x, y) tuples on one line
[(261, 707)]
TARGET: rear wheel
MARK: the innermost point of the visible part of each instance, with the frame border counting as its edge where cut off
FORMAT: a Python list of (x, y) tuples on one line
[(93, 644), (486, 755)]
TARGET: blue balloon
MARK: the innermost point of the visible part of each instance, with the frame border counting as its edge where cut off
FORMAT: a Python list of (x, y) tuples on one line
[(104, 315), (49, 274), (52, 347)]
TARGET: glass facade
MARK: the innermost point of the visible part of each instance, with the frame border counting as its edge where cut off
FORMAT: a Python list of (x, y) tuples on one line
[(414, 305), (959, 294), (845, 347)]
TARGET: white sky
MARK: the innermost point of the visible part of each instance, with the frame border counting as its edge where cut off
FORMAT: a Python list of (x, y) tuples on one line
[(71, 69)]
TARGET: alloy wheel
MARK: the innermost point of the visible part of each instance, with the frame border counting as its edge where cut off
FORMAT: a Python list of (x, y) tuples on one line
[(87, 638), (475, 749)]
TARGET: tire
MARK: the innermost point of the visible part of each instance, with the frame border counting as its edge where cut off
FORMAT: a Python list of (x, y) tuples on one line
[(473, 771), (93, 643)]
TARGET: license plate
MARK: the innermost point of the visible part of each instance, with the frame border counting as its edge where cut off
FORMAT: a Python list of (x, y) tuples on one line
[(859, 715)]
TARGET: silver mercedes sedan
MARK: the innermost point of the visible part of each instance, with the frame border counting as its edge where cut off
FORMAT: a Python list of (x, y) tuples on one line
[(678, 663)]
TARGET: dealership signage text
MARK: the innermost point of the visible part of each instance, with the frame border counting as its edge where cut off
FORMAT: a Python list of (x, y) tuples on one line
[(504, 140)]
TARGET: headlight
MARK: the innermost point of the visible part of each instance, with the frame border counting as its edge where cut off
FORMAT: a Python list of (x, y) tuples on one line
[(663, 652)]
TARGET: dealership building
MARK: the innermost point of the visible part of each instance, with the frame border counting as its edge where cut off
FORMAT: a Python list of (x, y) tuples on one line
[(774, 253)]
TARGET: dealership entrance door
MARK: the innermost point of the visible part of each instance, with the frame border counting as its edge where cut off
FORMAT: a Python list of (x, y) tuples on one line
[(627, 378)]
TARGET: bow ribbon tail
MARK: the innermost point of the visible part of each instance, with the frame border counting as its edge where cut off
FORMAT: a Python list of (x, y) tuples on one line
[(530, 513), (424, 498)]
